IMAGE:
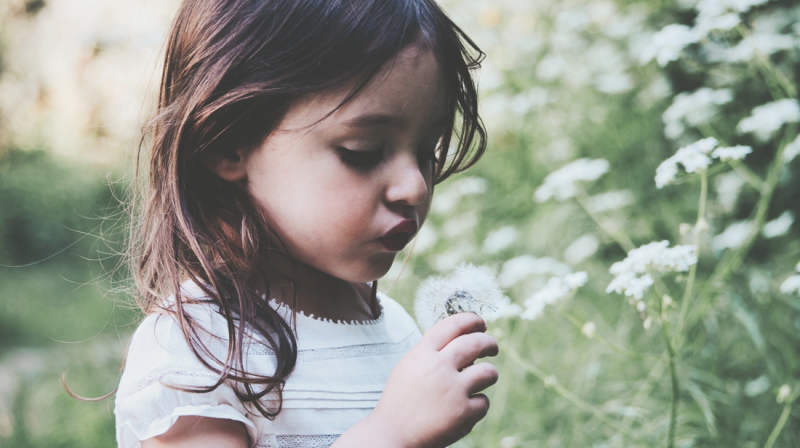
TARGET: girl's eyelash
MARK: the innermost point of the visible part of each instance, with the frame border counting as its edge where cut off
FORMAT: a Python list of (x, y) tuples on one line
[(360, 159)]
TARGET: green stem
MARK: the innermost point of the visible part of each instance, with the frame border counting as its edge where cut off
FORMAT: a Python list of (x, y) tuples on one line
[(624, 242), (631, 354), (776, 431), (673, 374), (699, 227), (749, 176), (550, 381)]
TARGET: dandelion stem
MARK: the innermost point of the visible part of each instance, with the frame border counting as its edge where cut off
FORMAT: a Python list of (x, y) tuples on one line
[(776, 431), (550, 381), (698, 231), (624, 242)]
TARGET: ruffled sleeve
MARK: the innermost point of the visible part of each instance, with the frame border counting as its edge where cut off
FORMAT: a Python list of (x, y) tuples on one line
[(158, 357)]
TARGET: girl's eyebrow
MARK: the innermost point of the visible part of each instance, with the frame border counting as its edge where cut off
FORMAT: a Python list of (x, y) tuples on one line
[(382, 119)]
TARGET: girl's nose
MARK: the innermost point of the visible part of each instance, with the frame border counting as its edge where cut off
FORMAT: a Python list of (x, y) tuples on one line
[(407, 184)]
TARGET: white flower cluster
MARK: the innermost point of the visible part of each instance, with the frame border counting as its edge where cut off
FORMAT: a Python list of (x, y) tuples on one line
[(694, 109), (469, 289), (557, 288), (632, 276), (770, 117), (610, 200), (445, 201), (792, 150), (561, 184), (723, 15), (792, 284), (778, 226), (519, 268), (733, 236), (697, 157)]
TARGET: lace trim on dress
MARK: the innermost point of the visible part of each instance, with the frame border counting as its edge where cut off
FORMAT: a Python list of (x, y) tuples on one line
[(288, 310), (296, 441), (159, 374), (348, 351)]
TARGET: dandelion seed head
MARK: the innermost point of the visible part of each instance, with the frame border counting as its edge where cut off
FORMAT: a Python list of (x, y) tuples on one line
[(731, 153), (561, 184), (778, 226), (765, 120), (469, 289)]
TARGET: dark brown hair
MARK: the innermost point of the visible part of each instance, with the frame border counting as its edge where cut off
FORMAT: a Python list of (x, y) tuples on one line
[(231, 71)]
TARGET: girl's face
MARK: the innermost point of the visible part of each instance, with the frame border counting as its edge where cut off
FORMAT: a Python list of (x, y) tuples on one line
[(346, 193)]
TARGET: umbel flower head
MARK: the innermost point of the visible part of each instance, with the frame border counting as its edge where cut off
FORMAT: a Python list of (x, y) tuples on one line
[(632, 276), (557, 288), (561, 184), (469, 289)]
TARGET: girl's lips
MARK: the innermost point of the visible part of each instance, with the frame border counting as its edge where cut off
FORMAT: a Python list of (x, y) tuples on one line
[(398, 236)]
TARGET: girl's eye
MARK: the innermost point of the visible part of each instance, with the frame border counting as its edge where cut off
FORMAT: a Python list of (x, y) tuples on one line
[(363, 160)]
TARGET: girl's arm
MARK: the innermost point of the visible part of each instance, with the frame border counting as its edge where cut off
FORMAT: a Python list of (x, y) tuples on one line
[(201, 432), (431, 399)]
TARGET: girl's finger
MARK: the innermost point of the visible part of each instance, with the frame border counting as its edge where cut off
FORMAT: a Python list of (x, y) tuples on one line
[(479, 376), (451, 327), (479, 405), (465, 349)]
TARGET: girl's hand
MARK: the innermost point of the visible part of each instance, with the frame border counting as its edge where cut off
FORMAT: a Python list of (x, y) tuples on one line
[(431, 398)]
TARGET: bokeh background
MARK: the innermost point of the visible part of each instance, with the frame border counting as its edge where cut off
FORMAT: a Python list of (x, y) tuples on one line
[(563, 79)]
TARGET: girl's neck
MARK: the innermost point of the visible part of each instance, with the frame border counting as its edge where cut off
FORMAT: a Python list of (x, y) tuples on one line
[(318, 293)]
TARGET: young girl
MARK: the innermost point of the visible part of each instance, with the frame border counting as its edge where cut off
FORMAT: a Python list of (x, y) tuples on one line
[(294, 154)]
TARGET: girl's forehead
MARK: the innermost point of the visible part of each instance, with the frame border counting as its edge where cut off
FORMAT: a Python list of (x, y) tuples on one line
[(407, 91)]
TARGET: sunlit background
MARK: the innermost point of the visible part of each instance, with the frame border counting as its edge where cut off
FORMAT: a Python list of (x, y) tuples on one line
[(706, 356)]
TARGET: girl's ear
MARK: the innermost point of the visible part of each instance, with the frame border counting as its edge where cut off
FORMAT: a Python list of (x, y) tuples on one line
[(230, 166)]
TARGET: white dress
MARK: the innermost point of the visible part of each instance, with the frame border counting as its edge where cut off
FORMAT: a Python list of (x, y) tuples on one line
[(340, 373)]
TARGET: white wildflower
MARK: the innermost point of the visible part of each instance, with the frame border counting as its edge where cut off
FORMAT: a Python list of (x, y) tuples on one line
[(763, 44), (460, 225), (696, 108), (505, 309), (632, 275), (667, 44), (560, 184), (792, 150), (647, 323), (518, 268), (641, 306), (783, 393), (757, 386), (733, 236), (500, 239), (581, 249), (450, 258), (693, 157), (731, 153), (509, 442), (468, 289), (425, 239), (705, 24), (715, 8), (791, 285), (728, 186), (778, 226), (770, 117), (445, 201), (557, 288), (611, 200), (589, 329)]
